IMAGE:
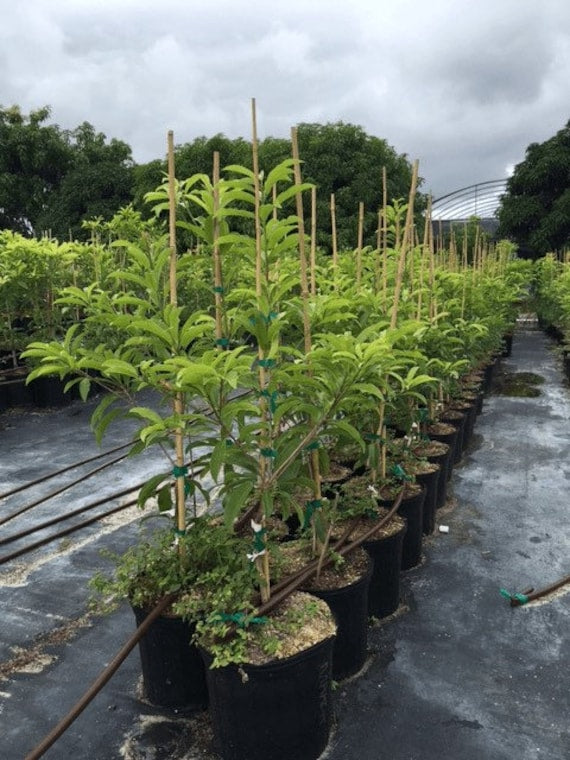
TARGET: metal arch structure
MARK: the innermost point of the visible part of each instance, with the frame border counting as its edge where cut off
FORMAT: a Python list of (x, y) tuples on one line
[(482, 200)]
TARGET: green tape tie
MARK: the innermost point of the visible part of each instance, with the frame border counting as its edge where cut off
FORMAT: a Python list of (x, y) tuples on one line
[(240, 619), (229, 442), (178, 532), (218, 289), (179, 472), (520, 598), (259, 540), (269, 453), (399, 473), (224, 342), (272, 396), (310, 509), (313, 446), (374, 437), (266, 363)]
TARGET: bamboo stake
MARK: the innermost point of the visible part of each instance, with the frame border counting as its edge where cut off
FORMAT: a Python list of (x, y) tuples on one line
[(384, 237), (262, 561), (314, 240), (359, 243), (333, 228), (406, 237), (218, 287), (315, 467), (178, 397)]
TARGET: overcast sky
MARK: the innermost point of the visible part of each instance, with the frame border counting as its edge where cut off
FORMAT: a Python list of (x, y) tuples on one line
[(462, 86)]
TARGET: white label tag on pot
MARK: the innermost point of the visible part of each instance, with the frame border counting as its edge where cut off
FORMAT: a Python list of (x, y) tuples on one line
[(444, 528)]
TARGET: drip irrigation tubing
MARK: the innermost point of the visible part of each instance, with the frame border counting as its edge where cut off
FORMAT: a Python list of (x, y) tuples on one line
[(58, 491), (65, 532), (100, 682), (60, 472), (67, 516)]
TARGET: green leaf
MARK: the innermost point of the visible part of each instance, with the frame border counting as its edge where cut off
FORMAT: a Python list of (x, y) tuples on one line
[(165, 498), (235, 500)]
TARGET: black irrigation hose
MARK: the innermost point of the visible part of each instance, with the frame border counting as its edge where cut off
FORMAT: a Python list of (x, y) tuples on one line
[(60, 472), (100, 682), (43, 499), (72, 529), (67, 515), (65, 532)]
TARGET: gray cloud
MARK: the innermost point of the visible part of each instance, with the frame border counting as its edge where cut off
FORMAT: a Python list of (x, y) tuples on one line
[(463, 87)]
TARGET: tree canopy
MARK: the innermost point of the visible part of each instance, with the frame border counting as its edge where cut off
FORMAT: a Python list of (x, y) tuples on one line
[(54, 180), (535, 211)]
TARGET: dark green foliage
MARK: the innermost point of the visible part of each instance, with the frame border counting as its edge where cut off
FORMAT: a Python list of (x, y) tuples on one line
[(338, 158), (535, 211), (34, 158)]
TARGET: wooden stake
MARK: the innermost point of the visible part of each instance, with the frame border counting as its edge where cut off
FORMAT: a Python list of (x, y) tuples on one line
[(384, 237), (262, 562), (315, 466), (314, 240), (180, 508), (333, 228), (408, 230), (359, 243), (218, 298)]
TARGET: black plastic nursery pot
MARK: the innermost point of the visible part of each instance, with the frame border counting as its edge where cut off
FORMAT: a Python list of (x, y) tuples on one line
[(384, 587), (278, 711), (469, 410), (457, 419), (430, 481), (507, 345), (173, 670), (412, 509), (48, 391), (349, 606), (445, 433)]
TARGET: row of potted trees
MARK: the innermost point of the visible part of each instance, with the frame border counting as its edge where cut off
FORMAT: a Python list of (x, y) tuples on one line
[(302, 373)]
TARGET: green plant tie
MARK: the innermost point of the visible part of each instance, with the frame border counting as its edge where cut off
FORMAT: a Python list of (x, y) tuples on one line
[(266, 363), (375, 437), (259, 540), (178, 532), (520, 598), (179, 472), (272, 396), (399, 473), (310, 509), (218, 289), (312, 446), (240, 619), (224, 342), (268, 453), (229, 442), (267, 318)]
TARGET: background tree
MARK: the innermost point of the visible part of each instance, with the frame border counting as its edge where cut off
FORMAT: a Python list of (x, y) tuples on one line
[(34, 158), (98, 182), (338, 158), (535, 211)]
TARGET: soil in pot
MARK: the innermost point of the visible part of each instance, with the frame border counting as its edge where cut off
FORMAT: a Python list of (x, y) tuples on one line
[(173, 671), (411, 508), (277, 707)]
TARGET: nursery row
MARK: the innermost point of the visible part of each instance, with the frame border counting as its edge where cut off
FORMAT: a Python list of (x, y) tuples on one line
[(364, 372)]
